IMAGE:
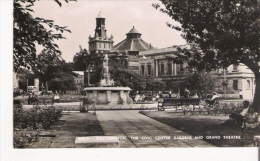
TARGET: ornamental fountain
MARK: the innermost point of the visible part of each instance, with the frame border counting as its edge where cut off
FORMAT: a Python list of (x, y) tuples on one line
[(106, 93)]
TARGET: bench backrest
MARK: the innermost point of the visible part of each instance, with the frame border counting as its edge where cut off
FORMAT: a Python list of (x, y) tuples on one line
[(183, 101)]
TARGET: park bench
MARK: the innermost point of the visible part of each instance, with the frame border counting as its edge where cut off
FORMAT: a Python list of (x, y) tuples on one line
[(176, 102)]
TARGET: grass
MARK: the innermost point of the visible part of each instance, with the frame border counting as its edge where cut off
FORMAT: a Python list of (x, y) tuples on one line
[(206, 126), (74, 125)]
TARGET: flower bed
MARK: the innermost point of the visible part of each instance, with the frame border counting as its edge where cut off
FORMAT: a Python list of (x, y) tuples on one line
[(224, 108), (49, 99), (29, 122)]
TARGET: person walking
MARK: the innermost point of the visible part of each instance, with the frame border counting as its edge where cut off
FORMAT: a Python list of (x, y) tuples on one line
[(186, 93)]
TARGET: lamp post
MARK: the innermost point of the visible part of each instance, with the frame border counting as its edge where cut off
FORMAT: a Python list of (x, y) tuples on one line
[(224, 83)]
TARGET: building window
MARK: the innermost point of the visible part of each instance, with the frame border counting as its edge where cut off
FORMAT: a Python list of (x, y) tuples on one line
[(248, 84), (162, 69), (149, 69), (142, 69), (100, 45), (234, 67), (104, 46), (235, 84), (169, 68)]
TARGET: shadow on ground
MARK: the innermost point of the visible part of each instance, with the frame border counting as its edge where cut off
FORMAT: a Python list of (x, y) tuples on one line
[(200, 125)]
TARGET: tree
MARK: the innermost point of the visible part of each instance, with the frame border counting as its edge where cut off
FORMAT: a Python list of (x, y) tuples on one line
[(201, 82), (121, 75), (29, 31), (220, 32), (64, 83), (79, 60), (54, 70)]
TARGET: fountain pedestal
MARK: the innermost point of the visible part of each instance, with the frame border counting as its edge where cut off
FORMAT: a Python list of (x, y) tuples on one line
[(108, 95), (105, 93)]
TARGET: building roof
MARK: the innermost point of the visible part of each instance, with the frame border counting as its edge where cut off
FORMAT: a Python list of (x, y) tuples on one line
[(133, 42), (133, 31), (81, 73), (164, 50)]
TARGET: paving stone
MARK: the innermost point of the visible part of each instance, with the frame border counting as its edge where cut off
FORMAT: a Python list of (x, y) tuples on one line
[(134, 124)]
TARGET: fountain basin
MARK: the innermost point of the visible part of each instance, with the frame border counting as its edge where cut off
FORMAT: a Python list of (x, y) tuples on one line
[(108, 95)]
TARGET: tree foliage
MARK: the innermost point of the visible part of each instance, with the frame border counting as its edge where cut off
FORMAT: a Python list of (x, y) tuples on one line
[(79, 60), (220, 33), (202, 82), (56, 71), (121, 76), (29, 31)]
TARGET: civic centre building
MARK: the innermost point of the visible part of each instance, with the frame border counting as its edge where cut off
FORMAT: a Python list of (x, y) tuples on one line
[(136, 54)]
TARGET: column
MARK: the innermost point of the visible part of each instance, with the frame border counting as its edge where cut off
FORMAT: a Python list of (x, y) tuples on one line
[(172, 68), (175, 69), (36, 84), (156, 67)]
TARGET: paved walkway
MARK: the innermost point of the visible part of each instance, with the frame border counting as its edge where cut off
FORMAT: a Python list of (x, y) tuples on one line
[(138, 131), (133, 129)]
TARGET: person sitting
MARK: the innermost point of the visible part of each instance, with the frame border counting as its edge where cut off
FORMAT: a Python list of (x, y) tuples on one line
[(251, 119), (212, 100), (177, 95), (195, 96), (137, 97), (56, 98), (238, 117), (142, 97)]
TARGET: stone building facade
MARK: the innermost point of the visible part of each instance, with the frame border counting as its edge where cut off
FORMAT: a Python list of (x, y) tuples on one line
[(153, 64), (124, 53), (79, 82)]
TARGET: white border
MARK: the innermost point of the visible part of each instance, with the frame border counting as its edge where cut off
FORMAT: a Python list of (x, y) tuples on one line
[(8, 153)]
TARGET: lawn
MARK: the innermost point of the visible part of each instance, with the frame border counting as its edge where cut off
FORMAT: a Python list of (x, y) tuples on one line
[(206, 125)]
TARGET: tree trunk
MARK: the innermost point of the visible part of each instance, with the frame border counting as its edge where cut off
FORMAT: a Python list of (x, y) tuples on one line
[(256, 100)]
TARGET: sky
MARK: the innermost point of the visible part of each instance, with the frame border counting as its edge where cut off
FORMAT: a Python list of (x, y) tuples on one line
[(121, 16)]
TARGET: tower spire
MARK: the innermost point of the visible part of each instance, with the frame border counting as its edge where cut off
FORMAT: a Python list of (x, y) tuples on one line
[(100, 42), (99, 15)]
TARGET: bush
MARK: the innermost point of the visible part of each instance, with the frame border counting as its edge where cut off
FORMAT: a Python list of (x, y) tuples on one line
[(28, 123), (23, 137)]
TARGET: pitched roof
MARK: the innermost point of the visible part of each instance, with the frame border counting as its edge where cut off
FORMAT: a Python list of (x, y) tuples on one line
[(133, 42), (79, 72), (133, 31)]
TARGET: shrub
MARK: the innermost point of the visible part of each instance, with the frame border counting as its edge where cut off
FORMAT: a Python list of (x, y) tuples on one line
[(23, 137), (28, 123)]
